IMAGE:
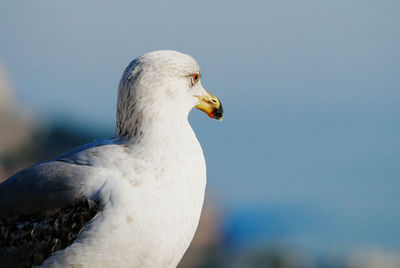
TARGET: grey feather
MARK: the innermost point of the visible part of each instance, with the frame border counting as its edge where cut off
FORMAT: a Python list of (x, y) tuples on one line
[(42, 188), (43, 208), (51, 185)]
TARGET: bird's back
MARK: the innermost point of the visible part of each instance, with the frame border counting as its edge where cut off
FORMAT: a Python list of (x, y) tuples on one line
[(44, 207)]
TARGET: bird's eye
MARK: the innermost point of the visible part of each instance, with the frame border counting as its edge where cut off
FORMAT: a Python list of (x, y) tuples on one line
[(195, 78)]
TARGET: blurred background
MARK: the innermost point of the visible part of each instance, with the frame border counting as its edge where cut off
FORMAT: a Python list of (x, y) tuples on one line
[(304, 170)]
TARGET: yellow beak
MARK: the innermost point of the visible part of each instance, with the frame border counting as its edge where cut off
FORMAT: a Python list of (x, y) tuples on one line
[(211, 105)]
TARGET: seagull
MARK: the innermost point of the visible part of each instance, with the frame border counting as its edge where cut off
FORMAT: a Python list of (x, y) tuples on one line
[(132, 200)]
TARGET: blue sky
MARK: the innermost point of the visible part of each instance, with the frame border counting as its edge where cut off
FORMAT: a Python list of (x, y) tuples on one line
[(311, 92)]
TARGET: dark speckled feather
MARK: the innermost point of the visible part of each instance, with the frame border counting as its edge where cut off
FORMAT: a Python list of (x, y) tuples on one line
[(28, 240)]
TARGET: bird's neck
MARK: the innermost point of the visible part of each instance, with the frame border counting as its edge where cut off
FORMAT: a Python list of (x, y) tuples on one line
[(156, 128)]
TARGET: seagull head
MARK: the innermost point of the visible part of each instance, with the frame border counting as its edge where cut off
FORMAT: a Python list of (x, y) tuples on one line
[(162, 86)]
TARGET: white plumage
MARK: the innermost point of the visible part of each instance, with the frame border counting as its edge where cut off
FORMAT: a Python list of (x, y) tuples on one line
[(150, 177)]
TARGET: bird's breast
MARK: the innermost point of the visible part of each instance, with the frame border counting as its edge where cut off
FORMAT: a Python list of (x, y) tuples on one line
[(161, 206)]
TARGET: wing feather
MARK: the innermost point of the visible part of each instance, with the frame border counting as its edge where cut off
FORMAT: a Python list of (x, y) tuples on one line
[(41, 188), (27, 241)]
